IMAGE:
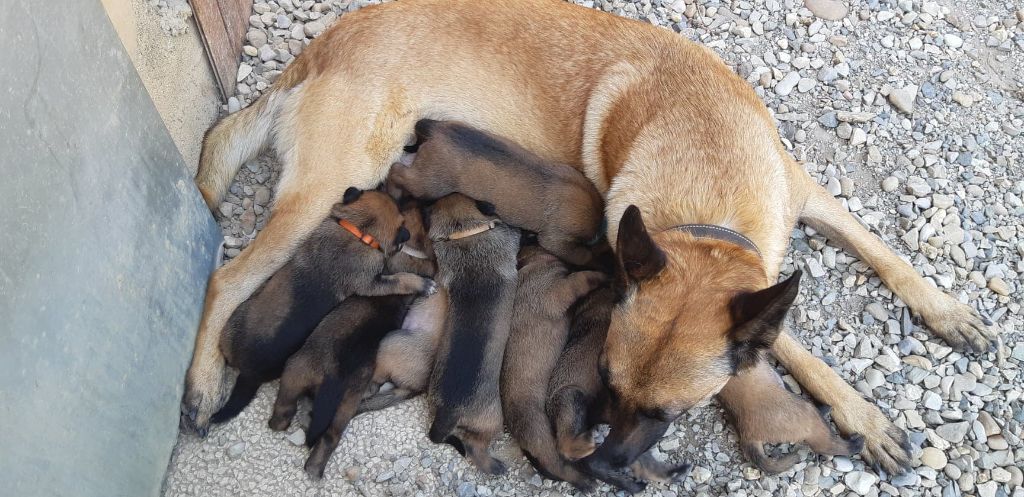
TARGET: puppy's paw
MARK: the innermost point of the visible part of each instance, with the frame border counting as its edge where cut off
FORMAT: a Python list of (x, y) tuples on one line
[(884, 445), (429, 287), (279, 423), (495, 467), (577, 447), (199, 402), (961, 326)]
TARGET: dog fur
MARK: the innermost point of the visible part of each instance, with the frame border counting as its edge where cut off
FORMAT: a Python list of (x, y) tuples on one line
[(453, 157), (330, 266), (479, 273), (763, 411), (540, 325), (652, 119), (337, 361)]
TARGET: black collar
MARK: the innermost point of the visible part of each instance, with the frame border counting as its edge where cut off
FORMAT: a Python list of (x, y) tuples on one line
[(722, 233)]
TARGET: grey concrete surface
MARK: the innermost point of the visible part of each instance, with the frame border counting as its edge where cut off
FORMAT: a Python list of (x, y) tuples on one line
[(105, 248)]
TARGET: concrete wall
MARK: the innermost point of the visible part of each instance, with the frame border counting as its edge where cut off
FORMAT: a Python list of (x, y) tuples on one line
[(105, 249), (173, 68)]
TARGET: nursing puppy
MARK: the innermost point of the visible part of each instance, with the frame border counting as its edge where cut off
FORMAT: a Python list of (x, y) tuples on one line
[(337, 361), (344, 256), (578, 399), (544, 292), (764, 411), (476, 259), (526, 190)]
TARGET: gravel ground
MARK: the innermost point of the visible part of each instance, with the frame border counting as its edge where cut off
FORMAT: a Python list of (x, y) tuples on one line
[(911, 112)]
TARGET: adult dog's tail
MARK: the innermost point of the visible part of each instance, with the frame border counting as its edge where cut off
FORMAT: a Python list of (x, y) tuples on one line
[(243, 135)]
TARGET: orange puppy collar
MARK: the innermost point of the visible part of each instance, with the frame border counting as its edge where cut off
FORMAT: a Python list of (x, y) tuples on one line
[(363, 237)]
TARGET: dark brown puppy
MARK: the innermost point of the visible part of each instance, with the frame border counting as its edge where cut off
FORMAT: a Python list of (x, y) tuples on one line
[(476, 259), (578, 398), (337, 361), (344, 256), (526, 190), (764, 411), (540, 324)]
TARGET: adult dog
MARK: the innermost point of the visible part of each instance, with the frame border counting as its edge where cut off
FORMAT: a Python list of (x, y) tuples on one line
[(653, 120)]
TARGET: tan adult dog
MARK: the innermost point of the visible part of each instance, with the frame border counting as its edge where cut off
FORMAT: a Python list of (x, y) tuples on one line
[(652, 119)]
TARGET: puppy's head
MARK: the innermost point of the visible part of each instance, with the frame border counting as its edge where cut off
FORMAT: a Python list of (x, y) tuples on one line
[(456, 212), (374, 213), (691, 313)]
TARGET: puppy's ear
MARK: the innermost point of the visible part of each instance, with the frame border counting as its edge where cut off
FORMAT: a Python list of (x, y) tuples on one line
[(402, 236), (758, 319), (639, 258), (486, 208), (351, 195)]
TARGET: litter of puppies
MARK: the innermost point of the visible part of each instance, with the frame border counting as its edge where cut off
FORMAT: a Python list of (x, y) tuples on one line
[(508, 333)]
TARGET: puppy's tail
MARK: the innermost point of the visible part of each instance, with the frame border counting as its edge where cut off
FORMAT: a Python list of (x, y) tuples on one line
[(325, 405), (243, 135), (241, 395)]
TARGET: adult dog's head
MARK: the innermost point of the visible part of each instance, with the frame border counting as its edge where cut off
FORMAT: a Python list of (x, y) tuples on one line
[(691, 313)]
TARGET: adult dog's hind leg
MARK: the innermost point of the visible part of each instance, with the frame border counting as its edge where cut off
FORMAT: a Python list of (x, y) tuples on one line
[(955, 322), (324, 153), (885, 444)]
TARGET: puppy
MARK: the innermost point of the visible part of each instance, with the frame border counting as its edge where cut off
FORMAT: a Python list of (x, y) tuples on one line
[(540, 325), (337, 360), (344, 256), (406, 356), (764, 411), (578, 399), (526, 190), (476, 259)]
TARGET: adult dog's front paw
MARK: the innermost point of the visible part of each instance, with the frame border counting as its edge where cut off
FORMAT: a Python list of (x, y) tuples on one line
[(961, 326), (200, 400), (885, 445), (429, 287)]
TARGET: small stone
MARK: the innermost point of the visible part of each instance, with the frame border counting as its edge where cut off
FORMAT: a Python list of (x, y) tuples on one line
[(999, 286), (805, 85), (313, 29), (877, 311), (1000, 475), (701, 475), (244, 70), (297, 437), (890, 184), (953, 41), (953, 432), (283, 22), (860, 482), (256, 38), (248, 221), (917, 186), (986, 420), (903, 99), (933, 458), (235, 450), (829, 10), (963, 98), (843, 464), (859, 137), (815, 268), (987, 489), (931, 400), (785, 87)]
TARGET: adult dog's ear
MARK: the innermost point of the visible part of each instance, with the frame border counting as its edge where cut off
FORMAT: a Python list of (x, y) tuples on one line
[(639, 258), (486, 208), (758, 319), (351, 195)]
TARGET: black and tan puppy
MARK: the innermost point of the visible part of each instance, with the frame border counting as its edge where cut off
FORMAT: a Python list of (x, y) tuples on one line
[(344, 256), (562, 206), (337, 361), (540, 324), (578, 398), (764, 411), (476, 259)]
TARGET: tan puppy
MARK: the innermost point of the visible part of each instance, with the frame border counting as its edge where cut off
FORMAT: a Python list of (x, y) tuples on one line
[(764, 411), (344, 256), (652, 119), (553, 200), (476, 259), (337, 361), (544, 292)]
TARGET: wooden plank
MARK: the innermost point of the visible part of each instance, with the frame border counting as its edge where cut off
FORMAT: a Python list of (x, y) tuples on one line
[(222, 25)]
